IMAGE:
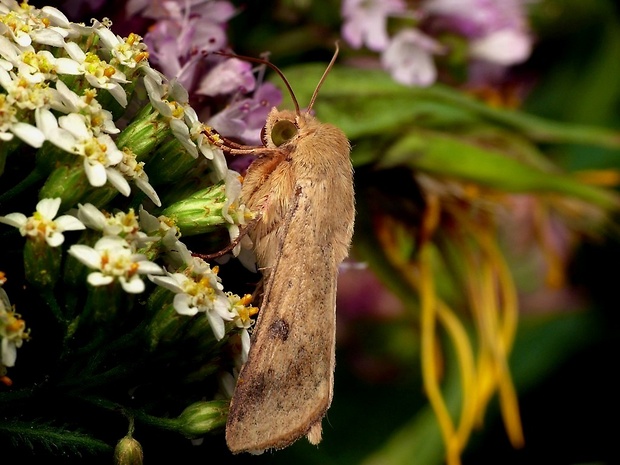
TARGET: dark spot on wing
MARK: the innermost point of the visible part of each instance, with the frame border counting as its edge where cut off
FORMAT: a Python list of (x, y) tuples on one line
[(279, 329), (255, 392)]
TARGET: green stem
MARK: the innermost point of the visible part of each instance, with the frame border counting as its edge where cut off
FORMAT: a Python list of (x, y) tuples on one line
[(52, 303)]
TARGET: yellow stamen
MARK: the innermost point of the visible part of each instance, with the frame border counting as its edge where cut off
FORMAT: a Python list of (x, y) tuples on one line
[(429, 374)]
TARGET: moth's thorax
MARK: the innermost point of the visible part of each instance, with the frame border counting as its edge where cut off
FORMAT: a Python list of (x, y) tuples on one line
[(315, 159)]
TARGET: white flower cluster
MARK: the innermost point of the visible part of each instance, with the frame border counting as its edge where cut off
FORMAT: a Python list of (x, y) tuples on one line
[(62, 88), (44, 57)]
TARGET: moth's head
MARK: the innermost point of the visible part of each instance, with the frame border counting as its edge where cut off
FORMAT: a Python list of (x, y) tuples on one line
[(281, 127)]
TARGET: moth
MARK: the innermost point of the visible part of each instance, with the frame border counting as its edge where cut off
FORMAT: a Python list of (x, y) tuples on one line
[(301, 185)]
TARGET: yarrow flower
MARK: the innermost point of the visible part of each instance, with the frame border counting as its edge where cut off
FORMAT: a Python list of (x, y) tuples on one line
[(198, 291), (115, 261), (42, 225), (121, 224), (26, 24), (83, 118)]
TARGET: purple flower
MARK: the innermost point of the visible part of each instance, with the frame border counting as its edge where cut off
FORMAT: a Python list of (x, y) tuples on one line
[(184, 33), (245, 118), (231, 75), (409, 58), (497, 29), (365, 22), (215, 11)]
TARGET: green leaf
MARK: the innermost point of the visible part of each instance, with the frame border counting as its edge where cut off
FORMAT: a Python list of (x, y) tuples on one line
[(446, 155), (366, 102)]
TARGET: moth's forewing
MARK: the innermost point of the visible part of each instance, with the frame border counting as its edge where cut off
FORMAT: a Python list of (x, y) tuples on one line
[(285, 387)]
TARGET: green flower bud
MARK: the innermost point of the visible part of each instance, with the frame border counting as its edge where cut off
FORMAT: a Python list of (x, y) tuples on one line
[(128, 451), (203, 417), (169, 163), (144, 134), (202, 212), (67, 182)]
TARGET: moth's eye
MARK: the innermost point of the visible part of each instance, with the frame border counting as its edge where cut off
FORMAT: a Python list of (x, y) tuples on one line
[(283, 131)]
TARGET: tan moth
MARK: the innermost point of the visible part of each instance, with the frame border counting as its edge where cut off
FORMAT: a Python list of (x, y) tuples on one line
[(301, 186)]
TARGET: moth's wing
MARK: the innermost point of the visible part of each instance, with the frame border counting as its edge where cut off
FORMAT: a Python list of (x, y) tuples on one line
[(285, 387)]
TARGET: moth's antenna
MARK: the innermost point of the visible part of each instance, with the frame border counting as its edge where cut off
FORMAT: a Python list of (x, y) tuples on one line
[(272, 66), (327, 70)]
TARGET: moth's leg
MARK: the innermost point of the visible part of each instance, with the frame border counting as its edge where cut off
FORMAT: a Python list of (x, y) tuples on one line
[(234, 243)]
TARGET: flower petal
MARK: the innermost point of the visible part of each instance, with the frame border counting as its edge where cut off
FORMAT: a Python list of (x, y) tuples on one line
[(14, 219), (87, 255), (182, 304), (31, 135), (69, 223), (217, 325), (134, 285), (55, 239), (97, 278), (48, 208), (9, 353)]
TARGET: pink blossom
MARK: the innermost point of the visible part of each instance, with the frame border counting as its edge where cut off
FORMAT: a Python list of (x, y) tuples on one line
[(409, 58), (184, 33), (497, 29), (246, 117), (231, 75), (365, 22)]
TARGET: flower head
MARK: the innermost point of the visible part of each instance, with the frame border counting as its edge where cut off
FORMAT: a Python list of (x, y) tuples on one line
[(114, 259), (199, 290), (42, 225)]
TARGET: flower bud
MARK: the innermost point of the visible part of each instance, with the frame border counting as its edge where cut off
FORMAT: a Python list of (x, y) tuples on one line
[(170, 163), (67, 182), (144, 133), (128, 451), (203, 417), (201, 212)]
